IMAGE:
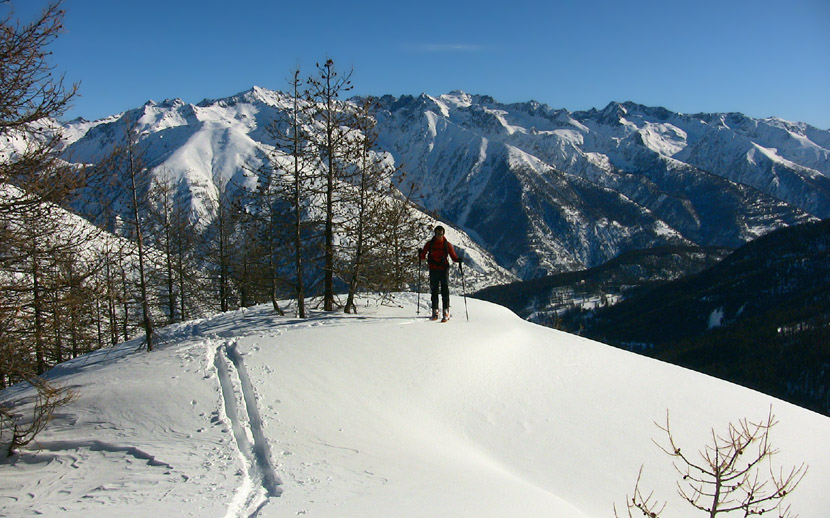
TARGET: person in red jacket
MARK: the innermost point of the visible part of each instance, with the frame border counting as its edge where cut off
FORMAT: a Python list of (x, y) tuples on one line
[(438, 252)]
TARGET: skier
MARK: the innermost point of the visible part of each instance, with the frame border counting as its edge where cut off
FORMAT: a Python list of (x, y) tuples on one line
[(438, 252)]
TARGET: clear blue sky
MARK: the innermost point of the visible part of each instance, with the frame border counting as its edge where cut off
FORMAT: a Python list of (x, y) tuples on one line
[(759, 57)]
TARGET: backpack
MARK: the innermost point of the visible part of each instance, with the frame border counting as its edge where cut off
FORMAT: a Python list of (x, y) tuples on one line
[(435, 257)]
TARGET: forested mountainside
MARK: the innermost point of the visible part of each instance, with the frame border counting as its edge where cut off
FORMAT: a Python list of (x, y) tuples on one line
[(543, 300)]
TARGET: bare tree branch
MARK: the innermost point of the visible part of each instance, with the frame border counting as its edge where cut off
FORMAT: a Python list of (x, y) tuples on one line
[(730, 478)]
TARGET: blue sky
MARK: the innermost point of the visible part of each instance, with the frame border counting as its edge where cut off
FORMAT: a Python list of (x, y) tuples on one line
[(759, 57)]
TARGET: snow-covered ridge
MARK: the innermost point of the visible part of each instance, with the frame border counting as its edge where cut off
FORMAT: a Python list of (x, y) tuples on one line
[(381, 414)]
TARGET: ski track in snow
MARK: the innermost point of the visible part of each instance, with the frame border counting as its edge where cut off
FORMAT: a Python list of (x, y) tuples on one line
[(261, 482)]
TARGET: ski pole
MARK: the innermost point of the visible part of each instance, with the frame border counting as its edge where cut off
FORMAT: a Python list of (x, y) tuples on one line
[(420, 274), (463, 287)]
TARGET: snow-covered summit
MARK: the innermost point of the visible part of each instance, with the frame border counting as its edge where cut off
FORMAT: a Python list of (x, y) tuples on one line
[(381, 414)]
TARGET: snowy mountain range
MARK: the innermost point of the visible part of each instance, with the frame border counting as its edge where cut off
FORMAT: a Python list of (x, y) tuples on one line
[(548, 190), (383, 414), (542, 190)]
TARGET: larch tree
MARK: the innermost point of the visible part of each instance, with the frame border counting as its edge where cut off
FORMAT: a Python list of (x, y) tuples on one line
[(161, 216), (130, 175), (138, 176), (365, 198), (33, 182), (216, 244), (173, 234), (333, 120), (289, 177)]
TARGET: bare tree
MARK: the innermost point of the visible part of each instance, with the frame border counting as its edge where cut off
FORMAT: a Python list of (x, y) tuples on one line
[(18, 429), (173, 235), (254, 251), (114, 286), (29, 93), (32, 184), (728, 476), (126, 164), (367, 198), (332, 141), (283, 189), (293, 162), (29, 96), (79, 315), (55, 270), (161, 209), (216, 244)]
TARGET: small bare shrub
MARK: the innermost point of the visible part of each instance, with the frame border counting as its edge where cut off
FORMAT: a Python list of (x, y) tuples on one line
[(732, 474), (17, 430)]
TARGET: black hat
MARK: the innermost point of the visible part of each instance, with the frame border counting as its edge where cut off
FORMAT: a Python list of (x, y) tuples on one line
[(439, 230)]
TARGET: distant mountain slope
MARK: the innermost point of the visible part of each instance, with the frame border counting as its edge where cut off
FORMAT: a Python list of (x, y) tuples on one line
[(542, 190), (210, 148), (542, 300), (760, 318), (549, 190)]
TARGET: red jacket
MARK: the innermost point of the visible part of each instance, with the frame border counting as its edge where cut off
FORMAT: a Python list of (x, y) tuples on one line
[(436, 251)]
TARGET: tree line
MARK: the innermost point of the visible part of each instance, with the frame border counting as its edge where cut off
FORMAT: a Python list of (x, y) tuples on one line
[(319, 221)]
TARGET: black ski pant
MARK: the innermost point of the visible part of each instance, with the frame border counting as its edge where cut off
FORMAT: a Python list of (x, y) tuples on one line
[(440, 279)]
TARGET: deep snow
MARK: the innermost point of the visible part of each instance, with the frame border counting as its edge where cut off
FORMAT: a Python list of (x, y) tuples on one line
[(381, 414)]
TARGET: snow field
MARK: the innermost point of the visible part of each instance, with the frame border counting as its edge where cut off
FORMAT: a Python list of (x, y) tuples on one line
[(381, 414)]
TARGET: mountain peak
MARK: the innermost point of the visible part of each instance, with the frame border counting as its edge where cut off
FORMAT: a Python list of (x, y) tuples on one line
[(458, 98), (167, 103), (258, 94), (611, 115)]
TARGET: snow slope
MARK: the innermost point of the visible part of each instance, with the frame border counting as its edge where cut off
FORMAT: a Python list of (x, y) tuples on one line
[(380, 414)]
